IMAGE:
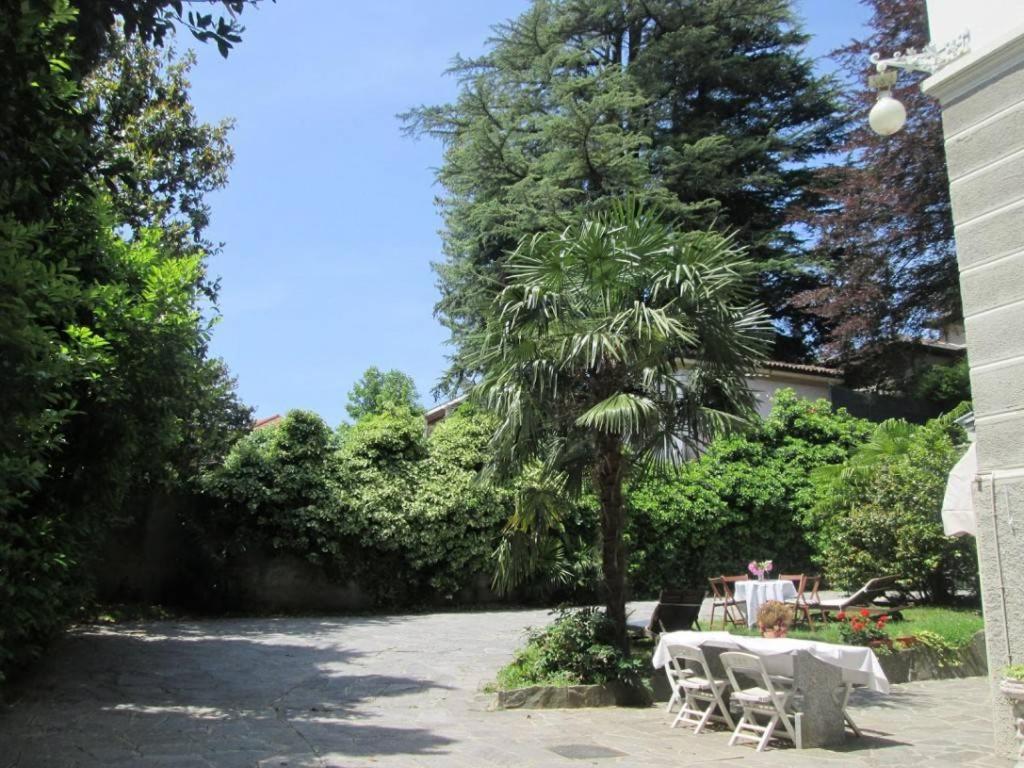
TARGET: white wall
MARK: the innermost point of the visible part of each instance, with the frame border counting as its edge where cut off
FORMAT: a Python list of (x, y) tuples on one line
[(766, 386), (988, 21)]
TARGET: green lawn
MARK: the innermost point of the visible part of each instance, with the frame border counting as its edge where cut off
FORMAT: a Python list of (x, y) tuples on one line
[(956, 625)]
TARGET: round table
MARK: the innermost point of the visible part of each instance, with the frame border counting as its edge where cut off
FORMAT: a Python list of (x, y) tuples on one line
[(757, 593)]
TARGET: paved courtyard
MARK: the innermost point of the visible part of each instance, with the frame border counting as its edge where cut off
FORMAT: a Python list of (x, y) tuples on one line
[(395, 691)]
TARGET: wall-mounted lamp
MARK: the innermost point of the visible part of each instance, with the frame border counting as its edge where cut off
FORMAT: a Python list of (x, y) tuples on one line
[(889, 115)]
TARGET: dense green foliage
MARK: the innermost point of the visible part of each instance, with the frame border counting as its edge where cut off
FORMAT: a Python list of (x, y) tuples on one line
[(709, 108), (108, 391), (945, 386), (577, 648), (378, 390), (402, 514), (278, 484), (743, 499), (881, 512), (413, 517)]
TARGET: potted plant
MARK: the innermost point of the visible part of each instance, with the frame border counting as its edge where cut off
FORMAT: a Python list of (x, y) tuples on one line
[(1012, 684), (860, 629), (774, 619)]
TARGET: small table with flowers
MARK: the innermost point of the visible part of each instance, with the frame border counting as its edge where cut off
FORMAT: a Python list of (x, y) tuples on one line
[(757, 593)]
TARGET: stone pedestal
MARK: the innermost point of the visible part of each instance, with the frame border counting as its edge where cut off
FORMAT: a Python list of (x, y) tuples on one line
[(820, 702)]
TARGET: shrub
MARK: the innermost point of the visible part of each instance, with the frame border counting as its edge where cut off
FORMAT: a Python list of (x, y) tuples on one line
[(277, 487), (882, 515), (743, 499), (945, 386), (404, 515), (377, 468), (577, 648)]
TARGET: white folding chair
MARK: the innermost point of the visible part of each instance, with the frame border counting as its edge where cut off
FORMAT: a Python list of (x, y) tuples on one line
[(769, 695), (699, 687), (675, 674)]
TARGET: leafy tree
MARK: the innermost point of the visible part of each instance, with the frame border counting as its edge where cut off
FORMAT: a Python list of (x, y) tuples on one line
[(377, 391), (579, 354), (102, 336), (161, 161), (709, 107), (150, 21), (885, 236)]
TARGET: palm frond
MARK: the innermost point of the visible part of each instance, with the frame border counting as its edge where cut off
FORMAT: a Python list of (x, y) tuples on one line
[(622, 413)]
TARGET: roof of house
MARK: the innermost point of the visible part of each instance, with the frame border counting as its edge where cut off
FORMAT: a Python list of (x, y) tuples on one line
[(267, 422), (941, 345), (438, 412), (805, 368)]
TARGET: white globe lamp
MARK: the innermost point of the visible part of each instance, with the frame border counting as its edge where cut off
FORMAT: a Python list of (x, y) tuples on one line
[(888, 115)]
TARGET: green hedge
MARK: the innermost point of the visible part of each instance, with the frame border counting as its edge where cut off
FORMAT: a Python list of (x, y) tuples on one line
[(743, 499), (407, 516)]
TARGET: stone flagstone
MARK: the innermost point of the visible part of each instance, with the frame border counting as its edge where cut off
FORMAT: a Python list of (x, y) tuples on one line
[(390, 691)]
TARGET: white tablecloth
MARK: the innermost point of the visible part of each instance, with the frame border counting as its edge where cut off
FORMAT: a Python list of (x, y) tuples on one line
[(859, 665), (757, 593)]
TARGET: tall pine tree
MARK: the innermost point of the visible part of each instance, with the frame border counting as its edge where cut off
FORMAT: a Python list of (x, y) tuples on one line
[(708, 108), (885, 236)]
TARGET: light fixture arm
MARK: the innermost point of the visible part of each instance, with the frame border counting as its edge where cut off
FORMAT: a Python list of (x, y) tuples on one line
[(928, 59)]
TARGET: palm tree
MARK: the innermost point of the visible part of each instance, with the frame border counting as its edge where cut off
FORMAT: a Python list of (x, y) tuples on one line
[(614, 346)]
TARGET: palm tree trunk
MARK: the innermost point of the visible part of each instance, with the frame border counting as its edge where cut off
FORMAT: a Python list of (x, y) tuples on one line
[(608, 476)]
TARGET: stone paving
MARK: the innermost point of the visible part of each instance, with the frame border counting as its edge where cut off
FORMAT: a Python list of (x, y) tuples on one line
[(395, 691)]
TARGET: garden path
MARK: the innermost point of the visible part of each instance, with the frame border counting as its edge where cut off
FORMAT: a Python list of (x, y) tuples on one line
[(393, 691)]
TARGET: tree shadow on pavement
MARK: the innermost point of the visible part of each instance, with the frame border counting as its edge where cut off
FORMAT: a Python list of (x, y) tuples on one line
[(236, 695)]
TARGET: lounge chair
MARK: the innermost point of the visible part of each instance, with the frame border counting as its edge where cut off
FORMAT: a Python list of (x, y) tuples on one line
[(868, 596), (677, 609)]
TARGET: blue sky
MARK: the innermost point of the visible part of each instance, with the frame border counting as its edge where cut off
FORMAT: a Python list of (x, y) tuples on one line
[(328, 222)]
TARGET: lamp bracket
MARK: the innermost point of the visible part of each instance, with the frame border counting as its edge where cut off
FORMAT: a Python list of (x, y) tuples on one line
[(928, 59)]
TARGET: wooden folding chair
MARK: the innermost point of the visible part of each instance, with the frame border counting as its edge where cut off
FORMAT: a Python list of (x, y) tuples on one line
[(722, 596), (769, 695), (804, 603), (698, 687)]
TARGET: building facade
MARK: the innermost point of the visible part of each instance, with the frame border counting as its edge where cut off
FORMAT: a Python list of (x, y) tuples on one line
[(982, 99)]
